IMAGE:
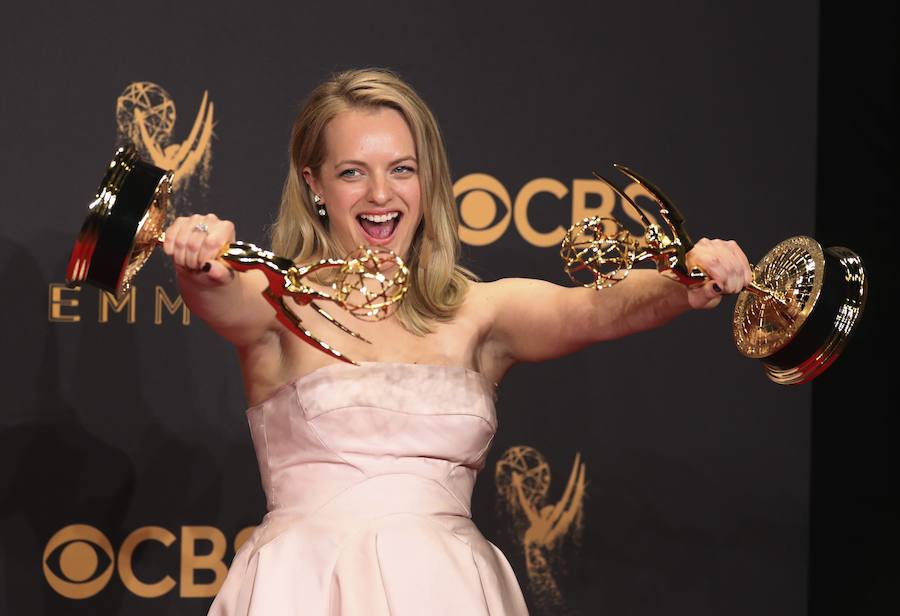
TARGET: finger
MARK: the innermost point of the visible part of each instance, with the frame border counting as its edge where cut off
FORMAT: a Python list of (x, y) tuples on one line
[(742, 273), (206, 240), (713, 289), (182, 238), (179, 247), (171, 233), (715, 270), (732, 269), (748, 269), (218, 272), (208, 249), (738, 265), (704, 296), (221, 233), (194, 254)]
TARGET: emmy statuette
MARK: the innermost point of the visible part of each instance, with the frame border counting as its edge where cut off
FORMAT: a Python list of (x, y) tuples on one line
[(797, 314)]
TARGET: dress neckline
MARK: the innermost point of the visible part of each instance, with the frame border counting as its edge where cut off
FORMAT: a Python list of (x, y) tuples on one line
[(297, 381)]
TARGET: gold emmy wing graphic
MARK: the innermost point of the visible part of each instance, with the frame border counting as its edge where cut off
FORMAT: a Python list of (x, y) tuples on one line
[(145, 117), (125, 223), (522, 476), (797, 314)]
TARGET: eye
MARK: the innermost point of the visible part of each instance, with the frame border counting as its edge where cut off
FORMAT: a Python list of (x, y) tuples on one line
[(404, 169), (350, 173)]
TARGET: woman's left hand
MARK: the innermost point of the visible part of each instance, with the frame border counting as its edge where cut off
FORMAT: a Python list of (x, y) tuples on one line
[(726, 266)]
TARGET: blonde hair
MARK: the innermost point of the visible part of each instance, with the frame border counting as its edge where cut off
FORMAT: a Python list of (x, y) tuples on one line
[(438, 284)]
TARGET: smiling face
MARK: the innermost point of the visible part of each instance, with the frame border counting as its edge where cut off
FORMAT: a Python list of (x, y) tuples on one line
[(369, 180)]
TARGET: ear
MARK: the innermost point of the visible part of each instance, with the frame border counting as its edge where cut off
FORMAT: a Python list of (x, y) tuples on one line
[(310, 178)]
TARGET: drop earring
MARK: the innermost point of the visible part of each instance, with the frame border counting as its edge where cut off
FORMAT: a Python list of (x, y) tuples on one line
[(320, 206)]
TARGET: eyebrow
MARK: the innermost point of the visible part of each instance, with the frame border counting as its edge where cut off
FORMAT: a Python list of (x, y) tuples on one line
[(362, 164)]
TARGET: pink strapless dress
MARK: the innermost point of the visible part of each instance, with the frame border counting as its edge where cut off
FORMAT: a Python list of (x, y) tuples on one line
[(368, 473)]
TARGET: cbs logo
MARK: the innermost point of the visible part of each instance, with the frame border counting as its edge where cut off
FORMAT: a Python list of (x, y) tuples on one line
[(478, 195), (79, 561)]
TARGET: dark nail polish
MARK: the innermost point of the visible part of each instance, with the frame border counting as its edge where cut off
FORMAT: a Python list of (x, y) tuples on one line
[(716, 287), (206, 267)]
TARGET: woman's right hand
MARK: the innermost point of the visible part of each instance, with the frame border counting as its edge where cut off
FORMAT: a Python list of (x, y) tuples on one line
[(194, 243)]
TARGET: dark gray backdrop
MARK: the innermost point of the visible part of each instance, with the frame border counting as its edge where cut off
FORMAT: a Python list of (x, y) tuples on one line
[(697, 465)]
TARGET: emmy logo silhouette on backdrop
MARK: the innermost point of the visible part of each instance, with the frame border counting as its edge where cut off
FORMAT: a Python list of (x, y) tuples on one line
[(522, 476), (145, 117)]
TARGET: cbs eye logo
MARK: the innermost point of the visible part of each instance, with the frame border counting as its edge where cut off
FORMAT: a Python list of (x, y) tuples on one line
[(78, 561), (478, 209)]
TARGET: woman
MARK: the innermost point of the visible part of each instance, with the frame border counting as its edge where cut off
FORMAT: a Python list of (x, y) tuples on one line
[(368, 470)]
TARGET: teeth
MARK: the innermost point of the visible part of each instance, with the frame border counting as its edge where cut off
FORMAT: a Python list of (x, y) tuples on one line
[(380, 217)]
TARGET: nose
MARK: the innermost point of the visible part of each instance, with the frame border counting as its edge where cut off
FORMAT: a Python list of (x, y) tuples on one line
[(379, 189)]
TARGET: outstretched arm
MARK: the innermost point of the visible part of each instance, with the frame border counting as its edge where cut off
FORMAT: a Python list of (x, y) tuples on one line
[(231, 304), (532, 320)]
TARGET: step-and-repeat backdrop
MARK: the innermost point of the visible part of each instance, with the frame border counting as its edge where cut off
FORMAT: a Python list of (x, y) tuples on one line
[(666, 474)]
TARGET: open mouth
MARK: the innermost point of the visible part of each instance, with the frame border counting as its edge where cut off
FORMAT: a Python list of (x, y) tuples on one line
[(379, 227)]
